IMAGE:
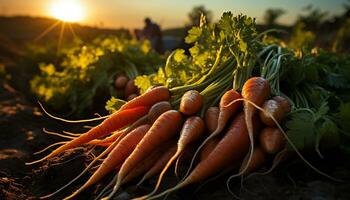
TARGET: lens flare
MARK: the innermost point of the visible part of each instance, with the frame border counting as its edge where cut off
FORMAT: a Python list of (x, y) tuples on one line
[(67, 10)]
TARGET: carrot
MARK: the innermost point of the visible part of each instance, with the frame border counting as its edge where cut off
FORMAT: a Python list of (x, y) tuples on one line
[(114, 122), (110, 147), (192, 130), (232, 147), (280, 157), (191, 102), (143, 166), (130, 88), (158, 109), (257, 160), (278, 107), (152, 96), (185, 157), (153, 163), (149, 98), (227, 110), (120, 81), (107, 140), (162, 130), (160, 164), (154, 112), (211, 118), (283, 101), (255, 90), (271, 140), (289, 142), (208, 148), (116, 157)]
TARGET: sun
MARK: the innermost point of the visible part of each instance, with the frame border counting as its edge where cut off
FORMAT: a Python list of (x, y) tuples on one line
[(67, 10)]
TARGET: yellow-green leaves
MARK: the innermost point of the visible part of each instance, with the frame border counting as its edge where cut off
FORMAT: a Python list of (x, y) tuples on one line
[(47, 69), (193, 34), (114, 104), (86, 70), (143, 82)]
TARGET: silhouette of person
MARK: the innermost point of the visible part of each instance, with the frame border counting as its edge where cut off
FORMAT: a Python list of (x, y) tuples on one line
[(152, 32)]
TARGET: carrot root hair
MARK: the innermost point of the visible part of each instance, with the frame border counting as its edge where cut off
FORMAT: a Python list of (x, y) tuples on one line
[(177, 163), (48, 147), (71, 121), (160, 178), (115, 189), (107, 188), (72, 134), (168, 191), (87, 168), (58, 134)]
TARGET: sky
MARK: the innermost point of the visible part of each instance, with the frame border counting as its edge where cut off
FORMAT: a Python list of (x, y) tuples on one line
[(167, 13)]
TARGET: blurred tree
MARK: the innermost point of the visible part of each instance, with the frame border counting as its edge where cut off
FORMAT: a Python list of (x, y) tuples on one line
[(272, 14), (313, 18), (342, 36), (301, 38), (195, 15)]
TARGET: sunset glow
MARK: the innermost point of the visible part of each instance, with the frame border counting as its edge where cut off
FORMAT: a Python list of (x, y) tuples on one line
[(67, 10)]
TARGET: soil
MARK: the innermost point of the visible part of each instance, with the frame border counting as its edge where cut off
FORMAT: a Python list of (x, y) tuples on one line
[(21, 134)]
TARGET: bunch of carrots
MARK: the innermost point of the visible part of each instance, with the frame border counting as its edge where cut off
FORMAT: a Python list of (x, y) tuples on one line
[(233, 109), (146, 135)]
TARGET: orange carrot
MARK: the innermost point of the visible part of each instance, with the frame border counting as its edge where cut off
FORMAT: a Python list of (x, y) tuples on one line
[(282, 156), (271, 140), (257, 160), (278, 107), (283, 101), (208, 148), (162, 130), (192, 130), (153, 163), (227, 110), (255, 90), (191, 102), (232, 147), (157, 110), (186, 157), (116, 156), (160, 164), (143, 166), (154, 112), (211, 118), (114, 122), (107, 140), (152, 96)]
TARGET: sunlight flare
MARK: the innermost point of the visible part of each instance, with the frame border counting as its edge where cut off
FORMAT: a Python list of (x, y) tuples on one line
[(67, 10)]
